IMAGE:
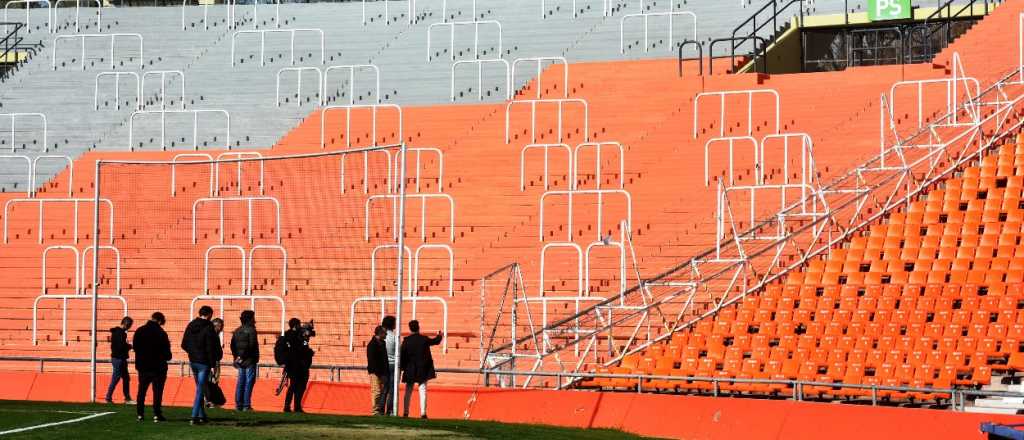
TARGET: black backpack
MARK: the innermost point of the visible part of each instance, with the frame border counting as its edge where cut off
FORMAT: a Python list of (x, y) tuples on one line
[(281, 349)]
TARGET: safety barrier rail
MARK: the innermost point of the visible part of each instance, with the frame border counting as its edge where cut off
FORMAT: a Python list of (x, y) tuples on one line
[(395, 198), (730, 142), (252, 299), (117, 89), (200, 156), (249, 202), (480, 76), (560, 103), (263, 42), (410, 287), (476, 36), (229, 5), (598, 146), (722, 106), (606, 9), (78, 12), (540, 67), (113, 39), (206, 266), (163, 74), (389, 183), (298, 85), (32, 164), (163, 126), (646, 18), (233, 157), (14, 118), (545, 148), (579, 265), (28, 7), (600, 193), (352, 69), (451, 266), (348, 121), (284, 265), (64, 318), (419, 151), (41, 202), (383, 300)]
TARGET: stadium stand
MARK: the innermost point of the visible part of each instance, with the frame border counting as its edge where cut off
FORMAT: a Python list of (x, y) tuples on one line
[(927, 298)]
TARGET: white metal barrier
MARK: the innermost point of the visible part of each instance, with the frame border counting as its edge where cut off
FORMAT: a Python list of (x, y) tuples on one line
[(64, 320), (163, 126), (579, 263), (622, 264), (806, 150), (560, 103), (206, 266), (256, 10), (606, 8), (815, 208), (444, 11), (113, 38), (387, 12), (600, 193), (540, 68), (451, 25), (249, 202), (953, 95), (451, 267), (410, 287), (284, 265), (29, 186), (35, 172), (389, 183), (348, 121), (42, 202), (28, 8), (545, 148), (352, 68), (480, 76), (236, 157), (252, 304), (77, 269), (229, 5), (730, 142), (78, 13), (298, 83), (598, 146), (163, 74), (646, 16), (395, 198), (383, 299), (117, 268), (14, 118), (117, 89), (263, 42), (750, 108), (419, 151), (199, 156)]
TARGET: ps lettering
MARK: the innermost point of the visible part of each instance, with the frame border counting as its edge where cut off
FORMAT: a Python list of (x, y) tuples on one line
[(888, 9)]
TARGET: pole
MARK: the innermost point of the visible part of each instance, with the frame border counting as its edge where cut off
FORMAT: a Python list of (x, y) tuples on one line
[(401, 267), (95, 278)]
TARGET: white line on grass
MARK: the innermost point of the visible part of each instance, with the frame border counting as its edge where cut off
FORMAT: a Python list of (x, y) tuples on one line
[(47, 425)]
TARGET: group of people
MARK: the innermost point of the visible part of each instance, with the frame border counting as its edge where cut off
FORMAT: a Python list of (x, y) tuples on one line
[(415, 363), (201, 341)]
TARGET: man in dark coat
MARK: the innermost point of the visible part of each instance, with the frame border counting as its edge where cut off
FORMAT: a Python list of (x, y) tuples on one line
[(201, 343), (245, 348), (417, 365), (152, 352), (300, 359), (377, 366), (119, 348)]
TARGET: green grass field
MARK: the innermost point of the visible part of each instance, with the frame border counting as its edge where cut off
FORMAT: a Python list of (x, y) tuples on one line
[(227, 424)]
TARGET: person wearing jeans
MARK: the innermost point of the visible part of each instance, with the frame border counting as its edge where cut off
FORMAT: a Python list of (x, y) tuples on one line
[(245, 349), (201, 343), (119, 348)]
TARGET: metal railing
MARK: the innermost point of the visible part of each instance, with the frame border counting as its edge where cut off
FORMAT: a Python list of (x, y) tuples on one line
[(772, 13)]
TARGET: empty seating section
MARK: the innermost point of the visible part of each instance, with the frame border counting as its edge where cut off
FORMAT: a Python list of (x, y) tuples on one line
[(930, 298)]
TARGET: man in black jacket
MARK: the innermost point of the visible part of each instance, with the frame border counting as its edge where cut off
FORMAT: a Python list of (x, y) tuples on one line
[(201, 343), (245, 348), (417, 365), (152, 351), (377, 366), (119, 348), (300, 359)]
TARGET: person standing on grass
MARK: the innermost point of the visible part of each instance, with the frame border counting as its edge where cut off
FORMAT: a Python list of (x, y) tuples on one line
[(299, 361), (245, 348), (391, 345), (119, 348), (152, 352), (377, 366), (417, 365), (203, 347)]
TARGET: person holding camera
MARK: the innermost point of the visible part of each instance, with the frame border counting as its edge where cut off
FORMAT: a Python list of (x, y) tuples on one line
[(298, 360)]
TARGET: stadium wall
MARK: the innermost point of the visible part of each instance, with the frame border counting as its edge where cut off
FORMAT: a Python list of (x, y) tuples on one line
[(674, 416)]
